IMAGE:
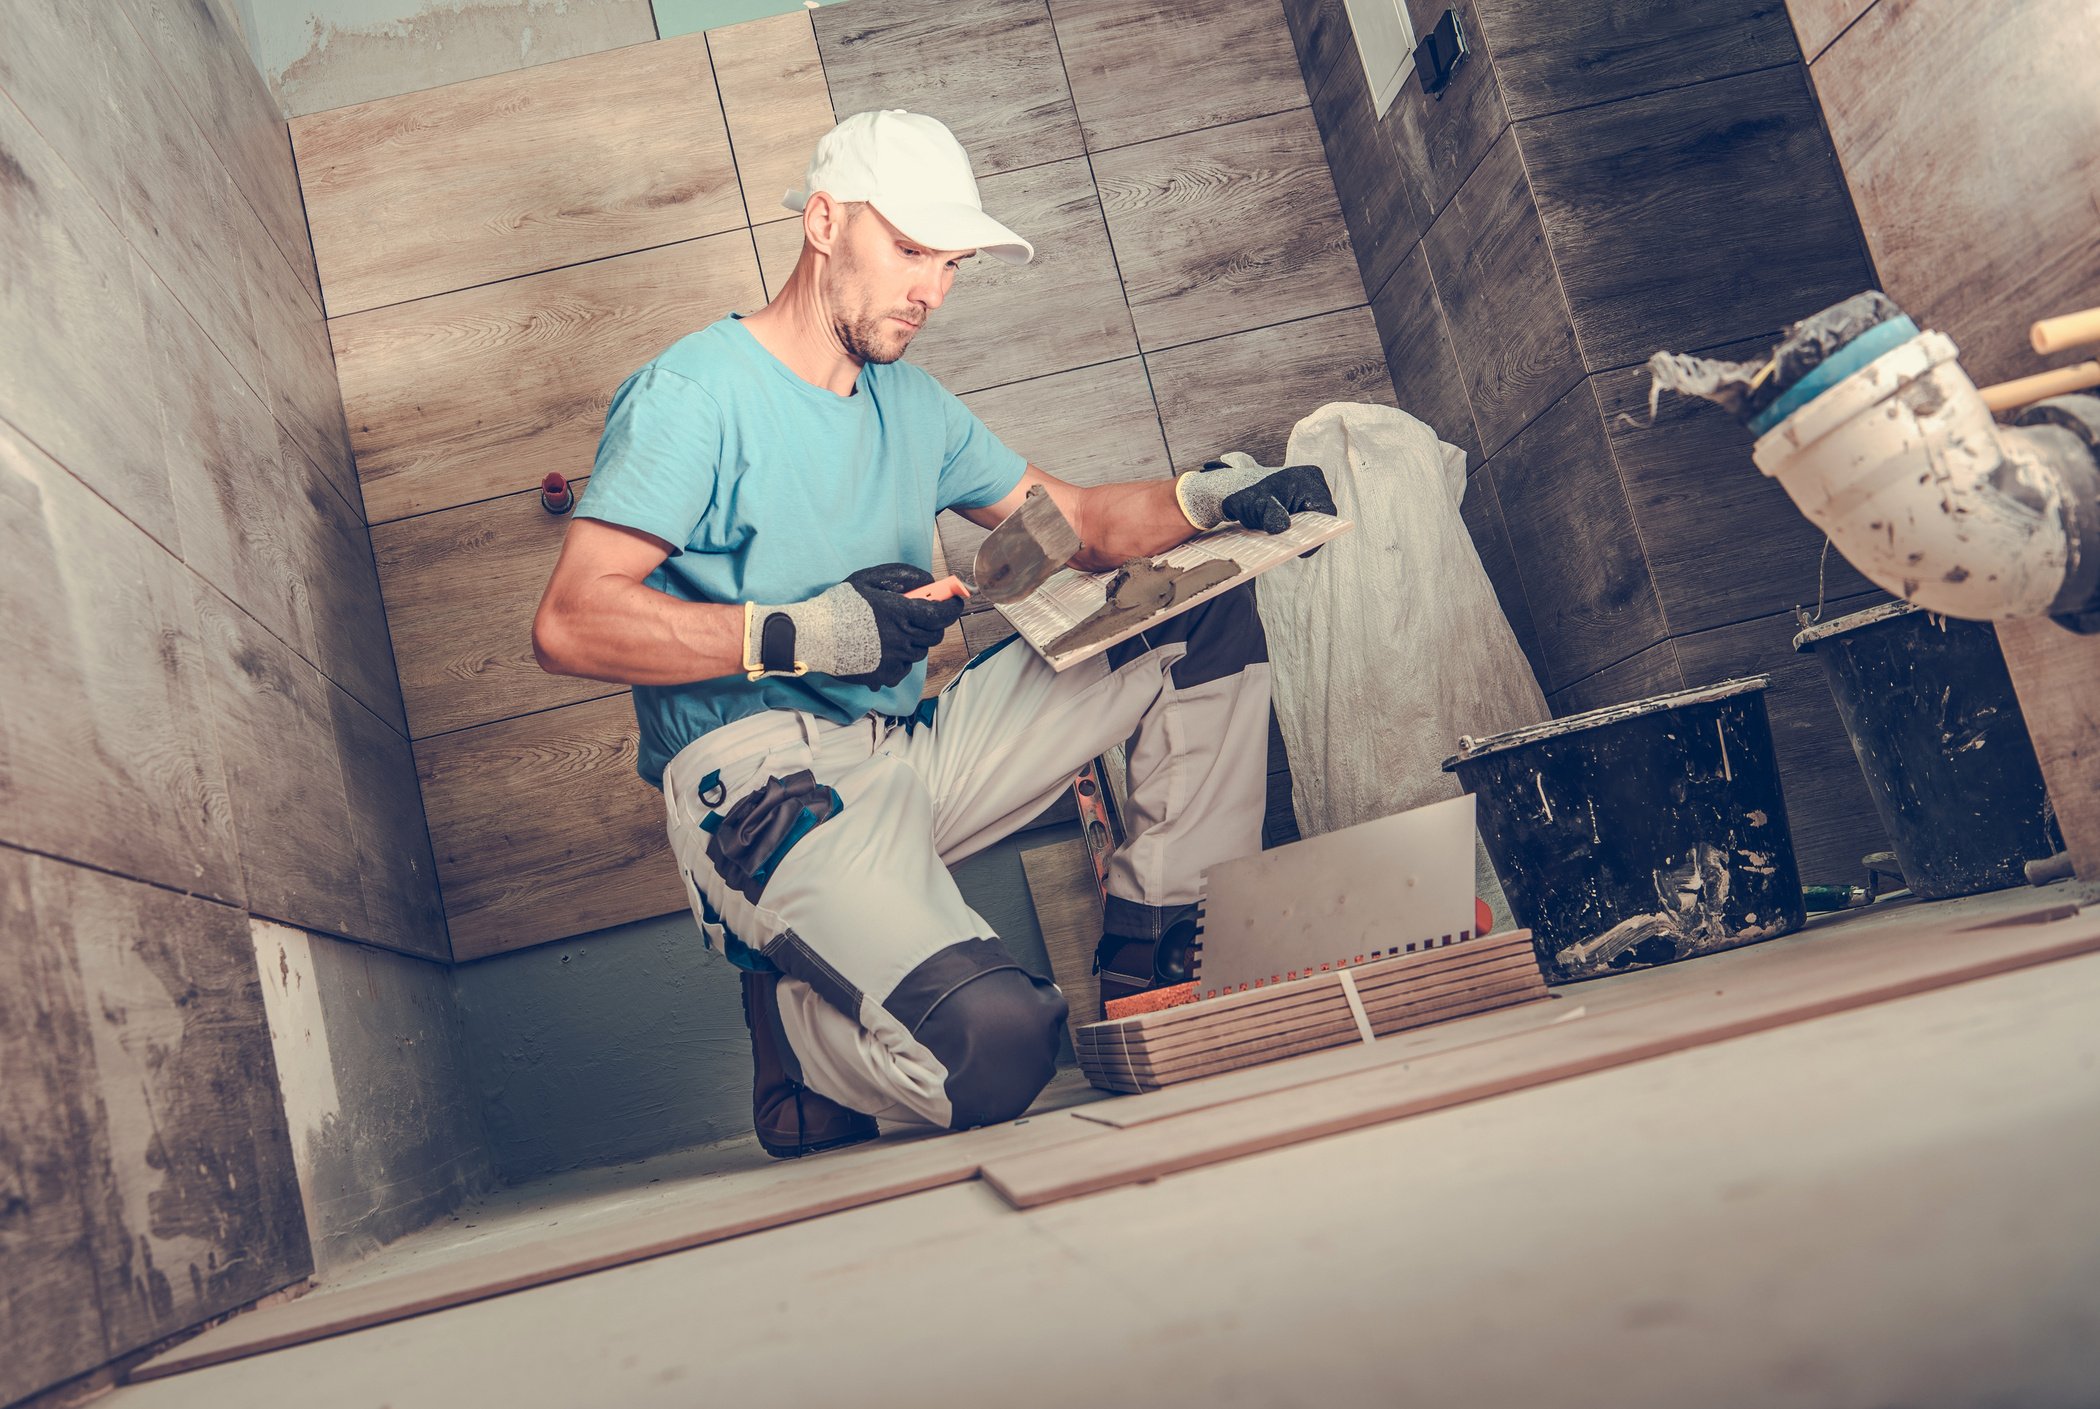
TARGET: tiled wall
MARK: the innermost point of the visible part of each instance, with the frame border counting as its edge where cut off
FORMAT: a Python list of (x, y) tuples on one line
[(1605, 178), (199, 720), (1195, 292), (1970, 139)]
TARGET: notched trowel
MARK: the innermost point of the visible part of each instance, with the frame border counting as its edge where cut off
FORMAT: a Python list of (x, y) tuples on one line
[(1025, 551)]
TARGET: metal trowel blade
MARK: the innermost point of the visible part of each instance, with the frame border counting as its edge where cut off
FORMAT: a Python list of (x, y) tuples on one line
[(1025, 551)]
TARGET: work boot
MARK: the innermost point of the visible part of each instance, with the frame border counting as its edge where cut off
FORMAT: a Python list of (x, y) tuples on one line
[(791, 1120), (1128, 966)]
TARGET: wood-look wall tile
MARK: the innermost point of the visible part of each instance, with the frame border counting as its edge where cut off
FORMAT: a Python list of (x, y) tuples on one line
[(1382, 195), (298, 373), (275, 723), (1724, 542), (1818, 22), (69, 293), (775, 98), (779, 245), (234, 514), (1319, 31), (193, 1198), (1442, 139), (1141, 70), (461, 587), (179, 208), (2001, 230), (1007, 323), (480, 393), (1577, 552), (323, 793), (430, 46), (984, 630), (989, 69), (199, 44), (339, 590), (542, 829), (1653, 671), (58, 1152), (1661, 213), (567, 162), (1222, 231), (1247, 391), (1097, 425), (388, 840), (107, 750), (1552, 56), (1482, 513), (1829, 810), (1418, 353), (1502, 301)]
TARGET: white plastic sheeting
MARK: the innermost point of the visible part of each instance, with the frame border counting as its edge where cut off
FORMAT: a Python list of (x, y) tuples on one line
[(1388, 643)]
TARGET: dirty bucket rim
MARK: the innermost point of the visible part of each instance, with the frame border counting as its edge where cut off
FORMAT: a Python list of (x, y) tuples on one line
[(1853, 621), (1470, 749)]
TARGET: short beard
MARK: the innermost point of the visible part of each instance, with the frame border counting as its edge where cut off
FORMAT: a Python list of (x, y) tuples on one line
[(860, 337), (864, 335)]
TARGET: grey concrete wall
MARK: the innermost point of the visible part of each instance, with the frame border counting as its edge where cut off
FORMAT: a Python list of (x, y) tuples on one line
[(385, 1123)]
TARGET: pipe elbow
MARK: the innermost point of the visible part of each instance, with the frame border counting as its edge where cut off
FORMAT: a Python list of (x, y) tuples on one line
[(1904, 467)]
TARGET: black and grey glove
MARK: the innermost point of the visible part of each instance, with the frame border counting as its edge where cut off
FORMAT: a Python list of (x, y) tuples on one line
[(1258, 496), (864, 631)]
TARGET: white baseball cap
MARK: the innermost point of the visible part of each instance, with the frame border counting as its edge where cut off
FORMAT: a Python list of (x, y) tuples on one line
[(911, 169)]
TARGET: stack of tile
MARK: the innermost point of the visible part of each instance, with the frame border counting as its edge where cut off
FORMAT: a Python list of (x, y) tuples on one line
[(1149, 1050)]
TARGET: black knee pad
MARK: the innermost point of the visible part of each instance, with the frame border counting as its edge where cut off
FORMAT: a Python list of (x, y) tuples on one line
[(997, 1035)]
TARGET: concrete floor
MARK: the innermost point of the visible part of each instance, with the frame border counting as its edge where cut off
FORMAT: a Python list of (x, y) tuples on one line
[(1895, 1206)]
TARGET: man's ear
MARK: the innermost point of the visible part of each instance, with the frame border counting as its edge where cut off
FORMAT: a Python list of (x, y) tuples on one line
[(824, 222)]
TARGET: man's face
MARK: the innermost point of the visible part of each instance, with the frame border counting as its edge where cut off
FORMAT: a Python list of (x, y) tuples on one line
[(881, 286)]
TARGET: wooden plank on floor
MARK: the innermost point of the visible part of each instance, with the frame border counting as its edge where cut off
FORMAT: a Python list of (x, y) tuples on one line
[(515, 173), (807, 1189), (1723, 996), (480, 393)]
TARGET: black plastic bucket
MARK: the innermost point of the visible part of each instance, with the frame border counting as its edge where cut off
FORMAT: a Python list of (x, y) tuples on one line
[(1642, 833), (1938, 731)]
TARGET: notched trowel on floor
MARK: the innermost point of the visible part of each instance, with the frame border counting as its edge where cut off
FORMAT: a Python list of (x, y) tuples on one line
[(1025, 551)]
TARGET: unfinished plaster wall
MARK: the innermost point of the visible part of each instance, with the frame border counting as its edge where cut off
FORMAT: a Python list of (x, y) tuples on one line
[(1970, 139), (1604, 178), (385, 1122), (200, 721)]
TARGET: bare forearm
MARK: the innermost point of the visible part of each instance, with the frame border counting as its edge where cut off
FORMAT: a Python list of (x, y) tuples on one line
[(1118, 522), (612, 629)]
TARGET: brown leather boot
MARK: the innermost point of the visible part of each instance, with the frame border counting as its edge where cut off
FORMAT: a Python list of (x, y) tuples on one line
[(791, 1120)]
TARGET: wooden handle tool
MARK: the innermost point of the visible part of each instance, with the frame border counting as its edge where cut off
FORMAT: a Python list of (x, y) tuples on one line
[(2069, 330), (2023, 390)]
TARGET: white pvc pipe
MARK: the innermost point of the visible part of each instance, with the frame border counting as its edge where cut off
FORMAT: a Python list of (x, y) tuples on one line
[(1922, 491)]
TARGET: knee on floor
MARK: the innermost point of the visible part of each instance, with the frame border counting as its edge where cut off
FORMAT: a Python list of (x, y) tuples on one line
[(997, 1035)]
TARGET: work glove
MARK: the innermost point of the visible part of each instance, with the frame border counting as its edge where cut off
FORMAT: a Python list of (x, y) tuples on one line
[(1236, 488), (864, 631)]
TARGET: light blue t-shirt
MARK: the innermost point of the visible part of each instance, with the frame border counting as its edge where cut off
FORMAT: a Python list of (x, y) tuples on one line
[(770, 489)]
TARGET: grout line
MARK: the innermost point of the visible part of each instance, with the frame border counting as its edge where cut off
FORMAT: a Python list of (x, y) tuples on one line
[(743, 198), (555, 268), (1304, 107), (1108, 234), (1443, 323), (613, 693), (205, 897), (1649, 92), (1257, 328), (574, 480), (1809, 61)]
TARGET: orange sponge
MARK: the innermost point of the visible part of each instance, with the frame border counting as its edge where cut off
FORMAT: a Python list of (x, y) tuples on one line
[(1151, 1001)]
